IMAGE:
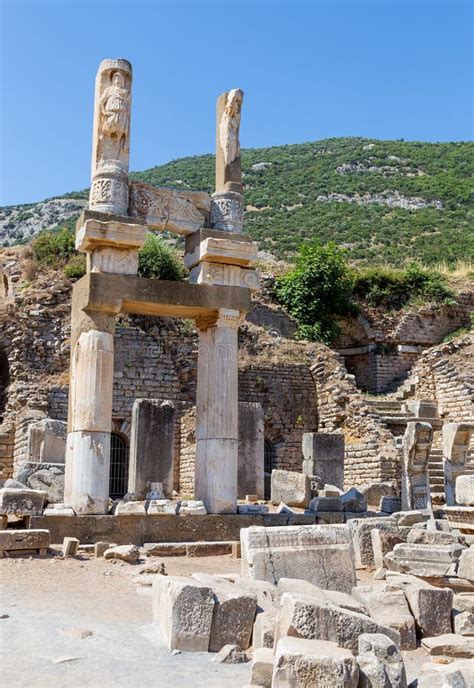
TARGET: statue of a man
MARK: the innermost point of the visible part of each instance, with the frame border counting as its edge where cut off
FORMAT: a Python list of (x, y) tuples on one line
[(229, 126), (114, 107)]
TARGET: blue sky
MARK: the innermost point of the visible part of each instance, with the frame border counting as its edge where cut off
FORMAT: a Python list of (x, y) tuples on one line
[(310, 70)]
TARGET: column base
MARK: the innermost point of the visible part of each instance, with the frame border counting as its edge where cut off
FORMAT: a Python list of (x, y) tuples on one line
[(216, 474), (87, 472)]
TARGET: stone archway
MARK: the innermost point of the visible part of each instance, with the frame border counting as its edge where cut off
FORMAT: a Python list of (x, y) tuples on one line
[(4, 381)]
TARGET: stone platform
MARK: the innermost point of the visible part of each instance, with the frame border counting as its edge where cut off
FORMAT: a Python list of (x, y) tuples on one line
[(138, 529)]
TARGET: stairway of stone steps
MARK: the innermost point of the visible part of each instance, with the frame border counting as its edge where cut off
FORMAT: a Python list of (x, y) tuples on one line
[(436, 476)]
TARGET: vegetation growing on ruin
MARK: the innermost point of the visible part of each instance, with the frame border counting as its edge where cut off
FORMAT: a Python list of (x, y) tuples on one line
[(157, 260)]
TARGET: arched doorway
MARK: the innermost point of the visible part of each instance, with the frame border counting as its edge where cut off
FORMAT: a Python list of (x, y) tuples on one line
[(268, 463), (4, 381), (119, 455)]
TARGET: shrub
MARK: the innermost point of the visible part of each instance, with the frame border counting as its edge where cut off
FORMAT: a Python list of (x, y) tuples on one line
[(76, 267), (159, 261), (318, 288), (53, 248)]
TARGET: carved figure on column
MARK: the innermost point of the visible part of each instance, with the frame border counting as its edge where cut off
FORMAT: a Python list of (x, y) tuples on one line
[(227, 202), (114, 109)]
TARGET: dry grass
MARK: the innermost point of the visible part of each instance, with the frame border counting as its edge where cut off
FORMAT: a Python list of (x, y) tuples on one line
[(461, 268)]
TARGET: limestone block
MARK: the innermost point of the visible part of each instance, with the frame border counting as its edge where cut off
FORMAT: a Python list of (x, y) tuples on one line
[(192, 508), (20, 503), (330, 517), (262, 667), (464, 602), (100, 548), (128, 553), (354, 501), (360, 530), (11, 540), (264, 629), (390, 505), (465, 490), (387, 604), (300, 662), (165, 549), (449, 645), (383, 543), (47, 441), (302, 616), (225, 275), (222, 250), (70, 546), (151, 446), (340, 599), (456, 674), (461, 517), (250, 473), (168, 210), (46, 477), (456, 442), (380, 663), (230, 654), (326, 504), (292, 488), (463, 623), (466, 564), (376, 491), (410, 518), (134, 508), (266, 593), (324, 457), (58, 510), (162, 506), (430, 606), (422, 560), (234, 613), (183, 609), (250, 509), (320, 554), (421, 536)]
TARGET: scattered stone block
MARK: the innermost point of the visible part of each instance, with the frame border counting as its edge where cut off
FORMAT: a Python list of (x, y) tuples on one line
[(329, 517), (461, 518), (162, 506), (128, 553), (302, 616), (47, 441), (387, 605), (183, 609), (58, 510), (409, 518), (320, 554), (465, 490), (464, 602), (380, 663), (21, 502), (285, 509), (326, 504), (330, 491), (303, 662), (463, 623), (421, 536), (457, 674), (292, 488), (14, 540), (45, 477), (360, 530), (449, 645), (165, 549), (264, 629), (100, 548), (324, 457), (390, 505), (376, 491), (192, 508), (208, 549), (340, 599), (431, 607), (3, 521), (383, 543), (236, 550), (70, 546), (130, 509), (466, 564), (230, 654), (262, 667), (252, 509), (354, 501), (426, 561)]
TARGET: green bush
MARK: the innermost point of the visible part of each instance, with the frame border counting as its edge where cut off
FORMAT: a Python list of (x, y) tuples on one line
[(76, 267), (159, 261), (53, 248), (318, 288)]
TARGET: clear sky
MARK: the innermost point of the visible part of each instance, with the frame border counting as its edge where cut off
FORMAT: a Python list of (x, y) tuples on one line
[(310, 70)]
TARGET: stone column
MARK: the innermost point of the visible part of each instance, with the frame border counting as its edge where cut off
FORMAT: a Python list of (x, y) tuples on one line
[(251, 479), (456, 440), (217, 413), (416, 448), (227, 206)]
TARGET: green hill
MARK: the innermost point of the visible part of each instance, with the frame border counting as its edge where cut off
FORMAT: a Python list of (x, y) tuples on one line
[(385, 201)]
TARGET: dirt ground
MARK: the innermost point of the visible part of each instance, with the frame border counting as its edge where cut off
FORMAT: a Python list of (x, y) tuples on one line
[(47, 600)]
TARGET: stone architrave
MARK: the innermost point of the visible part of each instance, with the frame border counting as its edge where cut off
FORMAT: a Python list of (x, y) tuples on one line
[(111, 137), (227, 208), (323, 454), (416, 448), (169, 210), (456, 441), (47, 441), (250, 474), (151, 446), (217, 413), (321, 555)]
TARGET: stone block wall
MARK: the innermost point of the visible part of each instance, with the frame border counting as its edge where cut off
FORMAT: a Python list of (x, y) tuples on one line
[(7, 441)]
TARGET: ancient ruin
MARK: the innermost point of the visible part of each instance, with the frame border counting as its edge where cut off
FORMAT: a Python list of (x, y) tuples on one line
[(147, 425)]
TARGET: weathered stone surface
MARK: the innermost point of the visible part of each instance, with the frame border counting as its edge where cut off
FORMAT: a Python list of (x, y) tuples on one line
[(21, 503), (252, 509), (465, 490), (423, 560), (376, 491), (456, 441), (46, 477), (340, 599), (70, 546), (165, 549), (456, 674), (421, 536), (228, 162), (384, 542), (326, 504), (100, 548), (380, 662), (360, 530), (192, 507), (11, 540), (170, 210), (464, 602), (387, 605), (131, 508), (162, 506), (466, 564), (262, 667), (292, 488), (390, 505), (250, 475), (320, 554), (324, 457), (409, 518), (47, 441), (183, 608), (234, 613), (416, 448), (300, 662), (302, 616), (128, 553), (463, 623), (461, 517), (58, 510), (449, 645), (264, 629), (430, 606), (230, 654), (354, 501), (151, 446)]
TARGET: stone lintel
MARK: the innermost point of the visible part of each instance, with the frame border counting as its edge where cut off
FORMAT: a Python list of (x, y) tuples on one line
[(193, 240), (112, 294), (123, 236), (224, 249)]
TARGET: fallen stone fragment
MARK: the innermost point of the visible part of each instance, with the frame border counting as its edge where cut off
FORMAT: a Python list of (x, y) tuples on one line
[(340, 599), (456, 674), (409, 518), (252, 509), (300, 662), (360, 530), (70, 546), (326, 504), (183, 609), (421, 536), (464, 602), (302, 616), (100, 548), (165, 549), (13, 540), (425, 561), (449, 645), (21, 502), (264, 629), (128, 553), (58, 509), (130, 509), (387, 605), (466, 564), (77, 632), (290, 487), (380, 662), (262, 667), (374, 492), (390, 505), (208, 549), (354, 501), (430, 606), (192, 508), (383, 542), (463, 623), (230, 654), (162, 506), (284, 509)]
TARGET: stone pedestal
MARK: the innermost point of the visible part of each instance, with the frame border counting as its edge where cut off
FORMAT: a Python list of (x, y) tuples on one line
[(217, 414), (250, 475), (416, 448), (324, 457), (151, 446)]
